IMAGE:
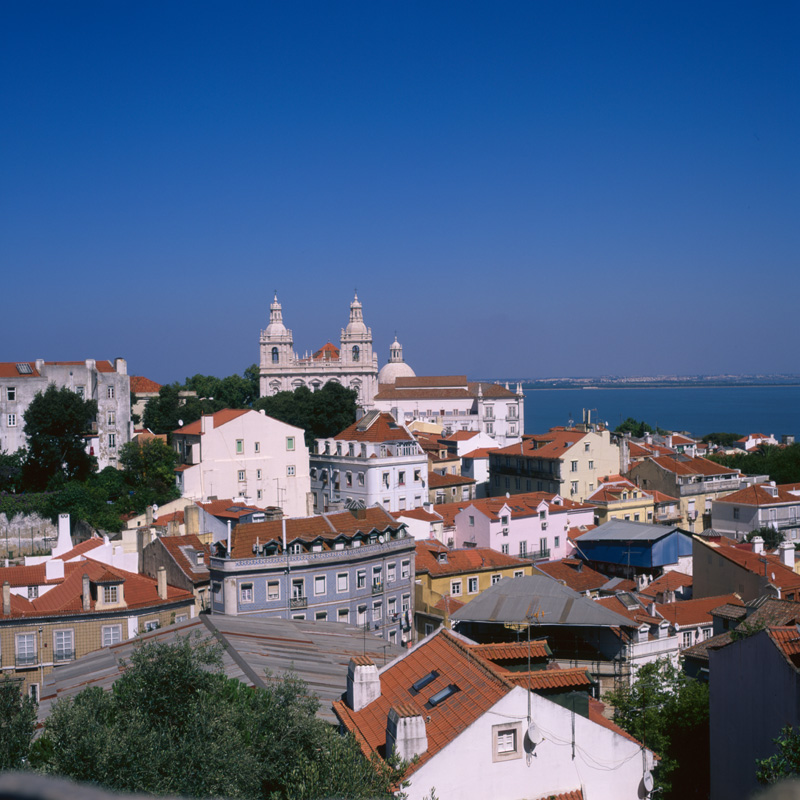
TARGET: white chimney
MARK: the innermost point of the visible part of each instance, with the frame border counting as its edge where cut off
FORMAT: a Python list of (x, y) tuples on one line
[(758, 545), (363, 682), (207, 423), (787, 554), (161, 579), (6, 598), (405, 732), (64, 542), (53, 569), (87, 596)]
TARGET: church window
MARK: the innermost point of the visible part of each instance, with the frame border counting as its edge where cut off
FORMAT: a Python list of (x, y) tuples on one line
[(356, 352), (274, 355)]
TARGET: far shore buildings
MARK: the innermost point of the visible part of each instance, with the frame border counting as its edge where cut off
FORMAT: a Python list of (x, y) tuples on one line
[(104, 381), (241, 453)]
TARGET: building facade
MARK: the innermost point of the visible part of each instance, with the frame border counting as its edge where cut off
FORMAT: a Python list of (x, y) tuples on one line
[(242, 453), (103, 381), (353, 364), (373, 461), (355, 567), (765, 505)]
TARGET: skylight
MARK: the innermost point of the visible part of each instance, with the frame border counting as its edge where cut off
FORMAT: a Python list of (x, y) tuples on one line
[(423, 682), (24, 369), (442, 695)]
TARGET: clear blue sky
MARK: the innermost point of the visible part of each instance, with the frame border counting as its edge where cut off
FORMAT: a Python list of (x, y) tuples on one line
[(516, 188)]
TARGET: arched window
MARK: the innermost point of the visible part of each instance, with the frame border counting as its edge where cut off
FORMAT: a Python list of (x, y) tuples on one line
[(356, 352), (274, 355)]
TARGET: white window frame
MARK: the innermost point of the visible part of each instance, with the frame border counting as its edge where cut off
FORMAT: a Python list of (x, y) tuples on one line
[(472, 585), (63, 644), (405, 569), (110, 634), (455, 588), (290, 471), (506, 741), (342, 582), (272, 594), (246, 593), (320, 585), (290, 442), (110, 594)]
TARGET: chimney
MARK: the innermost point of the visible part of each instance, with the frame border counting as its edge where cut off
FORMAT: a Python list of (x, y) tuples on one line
[(787, 554), (87, 596), (363, 682), (758, 545), (148, 516), (39, 365), (6, 598), (64, 542), (191, 517), (405, 732), (273, 513), (207, 423), (161, 578), (121, 366), (53, 569)]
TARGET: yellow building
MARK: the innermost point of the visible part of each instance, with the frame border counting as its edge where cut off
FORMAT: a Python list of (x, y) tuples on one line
[(448, 579), (619, 498)]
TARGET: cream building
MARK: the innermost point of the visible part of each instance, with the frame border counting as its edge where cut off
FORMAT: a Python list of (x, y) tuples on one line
[(353, 364), (246, 454)]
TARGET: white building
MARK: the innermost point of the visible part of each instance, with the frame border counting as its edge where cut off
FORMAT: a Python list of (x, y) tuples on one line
[(373, 461), (533, 525), (765, 505), (455, 404), (353, 365), (244, 453), (471, 731), (107, 383)]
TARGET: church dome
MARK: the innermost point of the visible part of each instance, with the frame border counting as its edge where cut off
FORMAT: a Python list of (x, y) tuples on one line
[(356, 325), (276, 326), (396, 368)]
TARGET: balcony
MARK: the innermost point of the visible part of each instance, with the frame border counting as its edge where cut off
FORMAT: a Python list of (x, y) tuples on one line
[(539, 555), (298, 602), (24, 660), (703, 487), (377, 587)]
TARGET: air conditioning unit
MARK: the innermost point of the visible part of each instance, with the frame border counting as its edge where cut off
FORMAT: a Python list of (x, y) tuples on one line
[(505, 531), (544, 526)]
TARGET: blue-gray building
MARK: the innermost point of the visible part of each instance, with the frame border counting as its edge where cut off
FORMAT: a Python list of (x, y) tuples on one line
[(635, 548), (355, 567)]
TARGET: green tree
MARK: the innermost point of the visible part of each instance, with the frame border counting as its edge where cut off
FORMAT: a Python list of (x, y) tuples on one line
[(637, 428), (86, 501), (174, 724), (772, 537), (668, 712), (11, 470), (148, 469), (781, 464), (785, 762), (17, 724), (721, 439), (253, 374), (55, 423), (165, 413)]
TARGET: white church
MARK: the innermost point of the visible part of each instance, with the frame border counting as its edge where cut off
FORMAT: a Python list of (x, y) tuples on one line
[(353, 364)]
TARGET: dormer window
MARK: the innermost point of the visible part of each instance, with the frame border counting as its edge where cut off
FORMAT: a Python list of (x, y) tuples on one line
[(111, 594), (199, 558), (442, 558), (295, 548)]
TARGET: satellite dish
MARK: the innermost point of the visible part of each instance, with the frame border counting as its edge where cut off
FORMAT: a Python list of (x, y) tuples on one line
[(534, 734), (647, 782), (155, 508), (180, 423), (381, 538)]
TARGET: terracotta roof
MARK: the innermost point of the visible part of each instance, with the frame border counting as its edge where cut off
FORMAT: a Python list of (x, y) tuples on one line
[(576, 532), (468, 559), (660, 497), (180, 547), (448, 604), (548, 446), (460, 436), (66, 598), (573, 573), (684, 613), (525, 505), (438, 381), (328, 352), (543, 680), (24, 576), (101, 366), (732, 611), (228, 509), (637, 613), (382, 429), (480, 687), (165, 519), (8, 369), (440, 388), (577, 794), (669, 582), (760, 495), (141, 385), (787, 640), (480, 452), (220, 418), (682, 465), (325, 526), (419, 513), (437, 481), (512, 651)]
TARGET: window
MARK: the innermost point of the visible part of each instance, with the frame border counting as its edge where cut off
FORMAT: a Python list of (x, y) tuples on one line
[(591, 465), (11, 393), (80, 391), (385, 480), (377, 611), (417, 477), (376, 575), (343, 615), (518, 573), (321, 616), (290, 442), (12, 420), (110, 594), (405, 603), (295, 549), (687, 639), (735, 512), (523, 549), (401, 478), (273, 590), (241, 475), (361, 579), (556, 541), (504, 549), (274, 355), (392, 637), (259, 494), (472, 585), (586, 447), (392, 610), (239, 446), (111, 634), (181, 618), (258, 474), (290, 471), (348, 479), (391, 572), (110, 392), (26, 649), (405, 569), (351, 449), (319, 584), (112, 418), (361, 615), (341, 582), (429, 629), (360, 478), (112, 439), (496, 579), (151, 625), (573, 487), (455, 588), (246, 593), (33, 592), (257, 447), (356, 352), (298, 588), (706, 633), (507, 740), (338, 448), (63, 645), (573, 466)]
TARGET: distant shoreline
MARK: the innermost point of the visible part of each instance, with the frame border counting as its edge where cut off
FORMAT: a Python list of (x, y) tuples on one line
[(533, 388)]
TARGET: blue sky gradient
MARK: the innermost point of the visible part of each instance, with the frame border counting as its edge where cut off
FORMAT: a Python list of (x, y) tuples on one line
[(516, 189)]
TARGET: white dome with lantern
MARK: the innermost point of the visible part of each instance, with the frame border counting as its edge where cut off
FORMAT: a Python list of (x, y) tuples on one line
[(396, 368)]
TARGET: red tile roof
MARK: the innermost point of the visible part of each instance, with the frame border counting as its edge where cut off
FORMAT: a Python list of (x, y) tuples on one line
[(682, 465), (669, 582), (383, 429), (220, 418), (452, 387), (761, 495), (165, 519), (512, 651), (179, 548), (543, 680), (525, 505), (228, 509), (23, 576), (577, 794), (548, 446), (80, 549), (573, 573), (596, 709), (480, 452), (448, 604), (637, 613), (8, 369), (469, 559), (421, 514), (460, 436), (437, 481), (142, 385), (328, 352), (577, 532), (694, 612), (480, 688), (787, 640)]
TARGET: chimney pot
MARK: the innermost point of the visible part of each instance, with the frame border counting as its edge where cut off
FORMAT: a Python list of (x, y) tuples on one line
[(87, 596), (363, 682), (758, 545), (6, 598), (161, 578), (405, 732)]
